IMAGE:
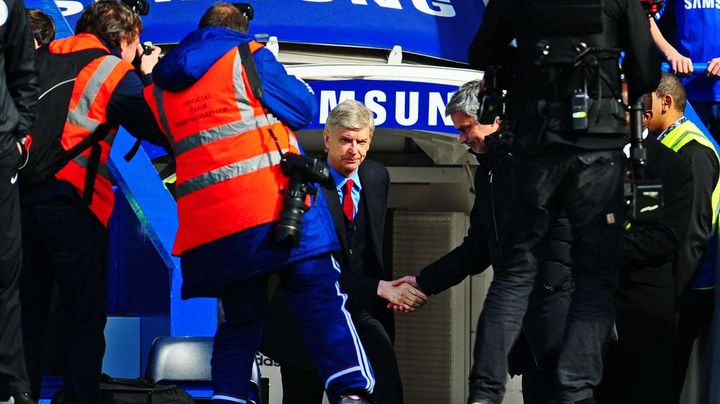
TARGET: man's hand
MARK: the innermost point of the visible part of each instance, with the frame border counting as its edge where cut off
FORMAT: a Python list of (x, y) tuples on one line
[(404, 295), (713, 69), (405, 279), (148, 62), (680, 64)]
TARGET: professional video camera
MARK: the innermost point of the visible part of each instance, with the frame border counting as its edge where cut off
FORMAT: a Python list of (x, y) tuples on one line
[(303, 171), (643, 196)]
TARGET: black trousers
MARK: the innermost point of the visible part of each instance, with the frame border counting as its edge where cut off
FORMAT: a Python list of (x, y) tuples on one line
[(588, 187), (13, 377), (65, 244), (304, 386), (639, 372), (696, 316)]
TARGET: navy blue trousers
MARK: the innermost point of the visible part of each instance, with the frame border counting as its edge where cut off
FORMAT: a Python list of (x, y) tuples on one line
[(65, 244), (313, 294)]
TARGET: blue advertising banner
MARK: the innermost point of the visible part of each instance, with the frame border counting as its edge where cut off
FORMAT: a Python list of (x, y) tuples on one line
[(395, 104), (436, 28)]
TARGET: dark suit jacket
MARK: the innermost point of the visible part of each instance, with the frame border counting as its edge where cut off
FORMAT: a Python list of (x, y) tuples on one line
[(362, 288), (281, 340)]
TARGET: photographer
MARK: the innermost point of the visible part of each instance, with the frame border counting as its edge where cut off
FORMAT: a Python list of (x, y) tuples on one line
[(569, 130), (242, 203), (89, 88)]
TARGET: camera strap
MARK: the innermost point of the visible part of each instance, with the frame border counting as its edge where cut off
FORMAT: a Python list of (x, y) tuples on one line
[(248, 63)]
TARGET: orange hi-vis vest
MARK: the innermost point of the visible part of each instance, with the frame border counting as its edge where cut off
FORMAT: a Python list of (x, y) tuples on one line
[(228, 164), (91, 94)]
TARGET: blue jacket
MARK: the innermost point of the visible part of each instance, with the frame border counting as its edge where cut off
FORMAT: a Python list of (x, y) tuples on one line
[(206, 269)]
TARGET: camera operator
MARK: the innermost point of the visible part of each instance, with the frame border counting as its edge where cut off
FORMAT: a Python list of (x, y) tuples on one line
[(89, 87), (231, 142), (569, 130)]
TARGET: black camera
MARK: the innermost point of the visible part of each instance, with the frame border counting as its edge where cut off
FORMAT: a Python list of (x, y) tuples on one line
[(303, 171), (246, 9), (142, 7), (492, 99), (643, 196)]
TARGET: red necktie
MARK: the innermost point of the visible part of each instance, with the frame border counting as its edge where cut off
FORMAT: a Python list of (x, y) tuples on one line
[(348, 204)]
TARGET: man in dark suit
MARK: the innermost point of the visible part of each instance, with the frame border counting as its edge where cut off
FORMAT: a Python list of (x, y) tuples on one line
[(357, 198)]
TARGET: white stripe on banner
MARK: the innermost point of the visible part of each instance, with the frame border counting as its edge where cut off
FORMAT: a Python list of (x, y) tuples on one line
[(228, 398), (359, 351)]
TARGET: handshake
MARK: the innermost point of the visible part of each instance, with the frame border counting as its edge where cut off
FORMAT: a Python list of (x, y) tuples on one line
[(403, 295)]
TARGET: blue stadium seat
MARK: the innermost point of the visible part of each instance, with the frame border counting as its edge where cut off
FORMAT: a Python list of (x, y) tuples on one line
[(185, 361)]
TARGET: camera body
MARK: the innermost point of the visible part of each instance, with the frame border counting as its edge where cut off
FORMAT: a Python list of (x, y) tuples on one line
[(643, 200), (492, 98), (141, 7), (302, 171)]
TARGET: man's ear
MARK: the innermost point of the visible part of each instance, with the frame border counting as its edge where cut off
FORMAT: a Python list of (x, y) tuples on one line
[(326, 139), (667, 103)]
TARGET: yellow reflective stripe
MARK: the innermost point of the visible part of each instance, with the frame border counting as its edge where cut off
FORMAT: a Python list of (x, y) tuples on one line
[(684, 134), (79, 115), (229, 171)]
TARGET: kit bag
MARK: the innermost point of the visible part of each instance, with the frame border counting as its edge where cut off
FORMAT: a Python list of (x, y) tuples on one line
[(135, 391)]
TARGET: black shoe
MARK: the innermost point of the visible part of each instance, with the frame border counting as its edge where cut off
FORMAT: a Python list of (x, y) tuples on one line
[(24, 398), (479, 401), (352, 399)]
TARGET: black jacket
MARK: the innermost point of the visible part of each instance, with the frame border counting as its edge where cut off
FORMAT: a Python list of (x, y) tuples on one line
[(705, 171), (18, 84), (490, 223), (547, 83), (646, 295), (491, 220)]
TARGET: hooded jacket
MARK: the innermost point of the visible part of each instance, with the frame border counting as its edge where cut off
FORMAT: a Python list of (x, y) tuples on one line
[(18, 84), (209, 266)]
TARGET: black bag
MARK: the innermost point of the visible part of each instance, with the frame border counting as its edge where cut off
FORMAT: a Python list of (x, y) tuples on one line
[(135, 391), (56, 77)]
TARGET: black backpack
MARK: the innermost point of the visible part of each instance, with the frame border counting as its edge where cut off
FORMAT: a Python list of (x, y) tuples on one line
[(56, 77), (135, 391)]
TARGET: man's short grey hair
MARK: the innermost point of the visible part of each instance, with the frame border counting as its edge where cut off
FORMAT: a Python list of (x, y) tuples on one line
[(350, 114), (465, 99)]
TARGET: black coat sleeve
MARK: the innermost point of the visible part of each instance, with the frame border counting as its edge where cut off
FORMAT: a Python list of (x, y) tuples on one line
[(642, 61), (128, 107), (18, 88), (655, 244), (469, 258), (494, 35)]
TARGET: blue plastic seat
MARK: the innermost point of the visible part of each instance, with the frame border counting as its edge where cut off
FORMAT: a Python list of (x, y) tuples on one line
[(185, 361)]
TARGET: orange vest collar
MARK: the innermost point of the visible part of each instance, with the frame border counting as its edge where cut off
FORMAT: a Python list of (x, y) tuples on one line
[(77, 43)]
